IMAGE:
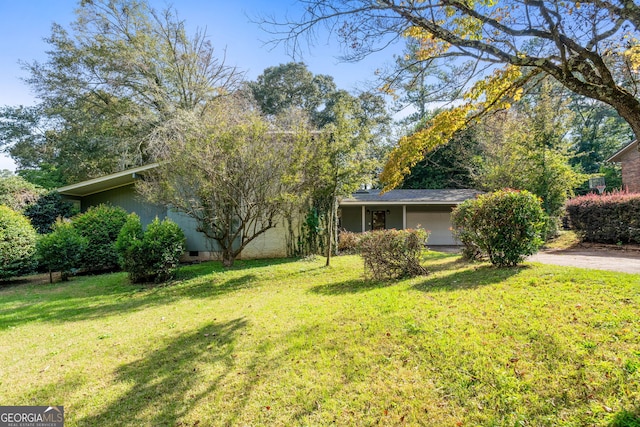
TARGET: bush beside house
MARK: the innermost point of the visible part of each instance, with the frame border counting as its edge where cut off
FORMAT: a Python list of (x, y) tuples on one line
[(504, 226), (609, 218), (100, 225), (17, 244), (62, 249), (151, 255)]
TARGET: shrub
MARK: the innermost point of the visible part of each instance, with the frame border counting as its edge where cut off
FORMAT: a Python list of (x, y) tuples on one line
[(391, 254), (100, 225), (152, 255), (505, 225), (348, 242), (607, 218), (17, 244), (47, 209), (62, 249)]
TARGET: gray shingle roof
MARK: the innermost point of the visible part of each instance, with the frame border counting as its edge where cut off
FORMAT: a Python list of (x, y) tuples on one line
[(427, 197)]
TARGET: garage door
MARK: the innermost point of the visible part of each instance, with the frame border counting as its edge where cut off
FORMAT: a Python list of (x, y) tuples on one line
[(438, 223)]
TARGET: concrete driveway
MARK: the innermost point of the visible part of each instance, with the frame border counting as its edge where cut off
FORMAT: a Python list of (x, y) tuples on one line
[(597, 259)]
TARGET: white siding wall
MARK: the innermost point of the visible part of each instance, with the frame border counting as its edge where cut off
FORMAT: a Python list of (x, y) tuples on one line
[(438, 223)]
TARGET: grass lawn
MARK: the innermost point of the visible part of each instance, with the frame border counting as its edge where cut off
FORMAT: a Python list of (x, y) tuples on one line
[(290, 342)]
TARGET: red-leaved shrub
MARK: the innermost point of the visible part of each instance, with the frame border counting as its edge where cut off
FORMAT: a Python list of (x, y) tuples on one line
[(608, 218)]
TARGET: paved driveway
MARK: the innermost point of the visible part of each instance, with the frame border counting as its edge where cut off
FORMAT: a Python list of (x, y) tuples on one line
[(614, 260)]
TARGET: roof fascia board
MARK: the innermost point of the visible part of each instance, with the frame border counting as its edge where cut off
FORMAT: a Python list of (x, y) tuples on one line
[(387, 203), (69, 189), (622, 151)]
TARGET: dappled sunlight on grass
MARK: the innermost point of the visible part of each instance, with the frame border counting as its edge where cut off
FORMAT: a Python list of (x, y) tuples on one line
[(297, 343)]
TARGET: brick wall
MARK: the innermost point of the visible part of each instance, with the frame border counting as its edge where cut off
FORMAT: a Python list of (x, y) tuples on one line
[(631, 171)]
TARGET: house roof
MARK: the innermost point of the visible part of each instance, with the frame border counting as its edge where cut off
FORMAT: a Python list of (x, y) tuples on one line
[(617, 156), (409, 197), (104, 183)]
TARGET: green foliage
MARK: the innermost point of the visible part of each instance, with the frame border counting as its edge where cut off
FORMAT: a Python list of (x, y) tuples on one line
[(527, 148), (452, 165), (118, 71), (47, 209), (392, 254), (62, 249), (608, 218), (505, 225), (100, 225), (310, 240), (16, 192), (17, 244), (289, 86), (151, 255)]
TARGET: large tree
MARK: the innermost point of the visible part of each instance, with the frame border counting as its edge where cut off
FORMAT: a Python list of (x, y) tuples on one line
[(527, 148), (121, 69), (583, 45), (348, 145), (229, 169)]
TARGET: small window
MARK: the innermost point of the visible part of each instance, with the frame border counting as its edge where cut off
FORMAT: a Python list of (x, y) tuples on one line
[(194, 253)]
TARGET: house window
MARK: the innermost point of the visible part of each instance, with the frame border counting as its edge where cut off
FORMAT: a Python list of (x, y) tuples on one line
[(378, 220)]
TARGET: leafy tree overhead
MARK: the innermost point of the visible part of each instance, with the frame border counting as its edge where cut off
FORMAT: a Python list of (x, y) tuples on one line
[(286, 86), (527, 148), (121, 69), (590, 47)]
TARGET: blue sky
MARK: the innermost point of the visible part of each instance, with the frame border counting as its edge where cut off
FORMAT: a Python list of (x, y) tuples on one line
[(24, 24)]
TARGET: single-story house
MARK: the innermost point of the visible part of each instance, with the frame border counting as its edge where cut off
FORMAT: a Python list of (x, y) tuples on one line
[(365, 210), (629, 159), (369, 210), (118, 189)]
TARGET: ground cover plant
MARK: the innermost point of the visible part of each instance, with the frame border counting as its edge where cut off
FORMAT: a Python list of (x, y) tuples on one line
[(290, 342)]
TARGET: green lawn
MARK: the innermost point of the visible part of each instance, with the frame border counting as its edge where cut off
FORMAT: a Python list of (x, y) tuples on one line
[(294, 343)]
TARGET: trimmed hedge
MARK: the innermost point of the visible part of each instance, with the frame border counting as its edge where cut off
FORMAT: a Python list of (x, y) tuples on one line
[(505, 226), (17, 244), (608, 218), (390, 254)]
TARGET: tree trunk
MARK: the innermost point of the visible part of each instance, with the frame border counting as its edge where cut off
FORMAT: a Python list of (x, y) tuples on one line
[(330, 227), (228, 257)]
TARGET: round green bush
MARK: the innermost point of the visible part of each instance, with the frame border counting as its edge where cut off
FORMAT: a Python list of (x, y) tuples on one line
[(100, 225), (62, 249), (151, 255), (506, 226), (17, 244)]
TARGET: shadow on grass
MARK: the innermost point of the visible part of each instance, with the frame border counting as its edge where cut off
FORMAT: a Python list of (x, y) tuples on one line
[(467, 279), (167, 384), (626, 418), (349, 287), (65, 303)]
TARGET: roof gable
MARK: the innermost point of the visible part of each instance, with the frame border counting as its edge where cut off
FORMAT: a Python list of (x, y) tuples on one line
[(619, 155)]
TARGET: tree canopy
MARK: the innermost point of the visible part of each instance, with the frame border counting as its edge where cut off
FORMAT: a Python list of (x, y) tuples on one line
[(119, 70), (590, 47)]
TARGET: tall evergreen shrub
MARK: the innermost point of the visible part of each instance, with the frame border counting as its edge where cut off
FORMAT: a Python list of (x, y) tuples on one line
[(504, 226), (17, 244)]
